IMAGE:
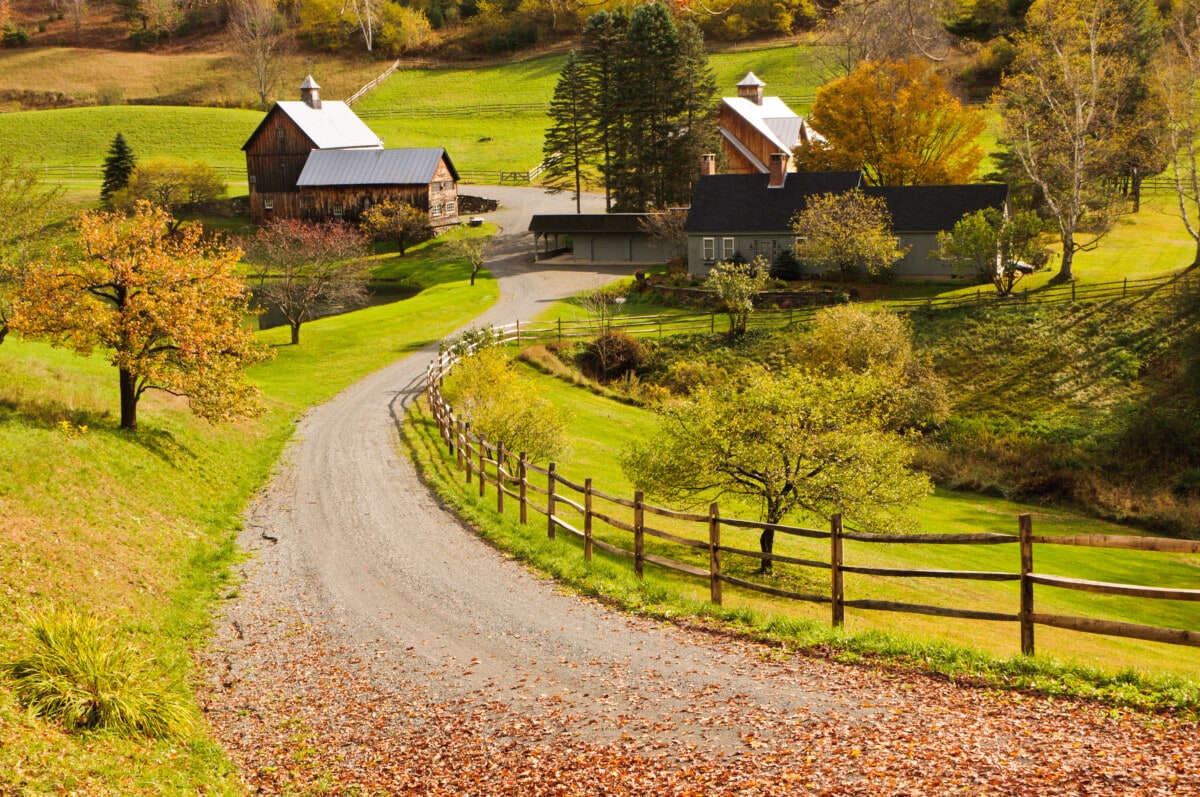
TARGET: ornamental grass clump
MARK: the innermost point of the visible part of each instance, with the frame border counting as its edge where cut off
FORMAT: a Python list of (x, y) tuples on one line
[(79, 673)]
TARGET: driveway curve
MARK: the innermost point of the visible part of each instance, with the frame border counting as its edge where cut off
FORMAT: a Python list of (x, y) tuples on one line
[(381, 638)]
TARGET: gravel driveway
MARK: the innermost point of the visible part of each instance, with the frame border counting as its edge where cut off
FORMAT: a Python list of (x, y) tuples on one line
[(377, 633)]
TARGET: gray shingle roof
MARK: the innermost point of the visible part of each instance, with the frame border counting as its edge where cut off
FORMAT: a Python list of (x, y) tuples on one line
[(743, 203), (727, 203), (373, 167)]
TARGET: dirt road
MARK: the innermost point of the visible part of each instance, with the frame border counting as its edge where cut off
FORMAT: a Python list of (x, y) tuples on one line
[(377, 642)]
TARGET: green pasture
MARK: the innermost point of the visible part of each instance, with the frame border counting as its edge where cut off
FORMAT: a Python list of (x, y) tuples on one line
[(81, 136), (140, 527), (601, 428)]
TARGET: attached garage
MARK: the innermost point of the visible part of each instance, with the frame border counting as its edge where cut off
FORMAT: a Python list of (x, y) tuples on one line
[(596, 238)]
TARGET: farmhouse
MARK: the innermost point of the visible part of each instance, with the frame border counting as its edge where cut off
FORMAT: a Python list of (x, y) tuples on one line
[(753, 126), (315, 159), (746, 215)]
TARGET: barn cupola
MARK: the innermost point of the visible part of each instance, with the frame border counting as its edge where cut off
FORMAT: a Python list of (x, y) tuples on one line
[(751, 88), (310, 93)]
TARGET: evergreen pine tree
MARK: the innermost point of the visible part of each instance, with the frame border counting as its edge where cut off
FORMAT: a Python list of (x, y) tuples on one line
[(603, 41), (697, 126), (569, 146), (118, 166)]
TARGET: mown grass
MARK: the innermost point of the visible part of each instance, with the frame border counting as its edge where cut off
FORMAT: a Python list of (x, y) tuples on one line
[(1143, 675), (140, 528)]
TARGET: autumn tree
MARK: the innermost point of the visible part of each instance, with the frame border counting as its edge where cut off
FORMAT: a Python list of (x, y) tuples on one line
[(849, 234), (27, 206), (256, 35), (797, 441), (396, 221), (993, 244), (886, 30), (485, 388), (734, 286), (665, 228), (306, 269), (1177, 82), (118, 168), (473, 251), (1062, 115), (569, 146), (897, 121), (167, 310), (177, 186)]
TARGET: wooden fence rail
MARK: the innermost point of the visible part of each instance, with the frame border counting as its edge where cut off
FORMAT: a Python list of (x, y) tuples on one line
[(577, 509)]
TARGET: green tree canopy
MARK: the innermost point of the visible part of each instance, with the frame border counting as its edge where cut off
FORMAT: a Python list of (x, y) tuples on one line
[(797, 441), (848, 234)]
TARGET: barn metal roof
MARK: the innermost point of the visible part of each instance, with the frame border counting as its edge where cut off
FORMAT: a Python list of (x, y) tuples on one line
[(332, 126), (373, 167), (778, 123)]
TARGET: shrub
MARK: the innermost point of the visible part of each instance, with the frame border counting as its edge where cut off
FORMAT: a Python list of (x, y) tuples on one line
[(786, 266), (110, 94), (14, 36), (610, 355), (76, 671)]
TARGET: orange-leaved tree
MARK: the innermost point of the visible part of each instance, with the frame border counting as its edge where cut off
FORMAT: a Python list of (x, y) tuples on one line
[(896, 121), (167, 310)]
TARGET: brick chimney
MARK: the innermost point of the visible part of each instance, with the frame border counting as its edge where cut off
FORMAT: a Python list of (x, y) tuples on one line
[(751, 88), (310, 93), (708, 164), (779, 169)]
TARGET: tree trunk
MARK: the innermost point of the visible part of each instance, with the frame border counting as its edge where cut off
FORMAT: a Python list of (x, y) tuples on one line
[(1068, 256), (1135, 188), (766, 542), (295, 333), (129, 399)]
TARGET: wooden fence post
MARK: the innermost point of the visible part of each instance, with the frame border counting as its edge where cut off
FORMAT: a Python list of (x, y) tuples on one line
[(1125, 288), (518, 332), (524, 477), (560, 329), (1072, 291), (458, 449), (550, 530), (482, 466), (835, 568), (1026, 521), (712, 322), (587, 520), (660, 326), (500, 477), (714, 553), (639, 533), (467, 452)]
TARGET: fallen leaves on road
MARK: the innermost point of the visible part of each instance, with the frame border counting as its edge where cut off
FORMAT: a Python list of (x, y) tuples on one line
[(301, 717)]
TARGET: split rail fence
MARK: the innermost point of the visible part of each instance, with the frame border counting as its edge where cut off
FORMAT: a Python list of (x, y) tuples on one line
[(577, 508)]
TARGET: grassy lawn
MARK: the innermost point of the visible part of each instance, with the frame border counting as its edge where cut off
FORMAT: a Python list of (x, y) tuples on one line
[(140, 527), (601, 428)]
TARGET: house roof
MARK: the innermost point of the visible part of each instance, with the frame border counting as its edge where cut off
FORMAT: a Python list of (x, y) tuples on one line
[(934, 208), (568, 223), (373, 167), (766, 118), (743, 203), (332, 126)]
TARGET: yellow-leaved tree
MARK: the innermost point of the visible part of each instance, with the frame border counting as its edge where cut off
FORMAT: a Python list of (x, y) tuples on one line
[(167, 311), (897, 121)]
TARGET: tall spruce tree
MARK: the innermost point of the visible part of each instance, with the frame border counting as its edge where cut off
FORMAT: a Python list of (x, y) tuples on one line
[(569, 145), (118, 166), (698, 125), (603, 40)]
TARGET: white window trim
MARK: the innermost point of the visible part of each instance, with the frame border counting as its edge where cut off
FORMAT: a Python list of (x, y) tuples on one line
[(710, 249), (728, 248)]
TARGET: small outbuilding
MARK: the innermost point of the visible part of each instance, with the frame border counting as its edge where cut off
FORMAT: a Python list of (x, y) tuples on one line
[(596, 237)]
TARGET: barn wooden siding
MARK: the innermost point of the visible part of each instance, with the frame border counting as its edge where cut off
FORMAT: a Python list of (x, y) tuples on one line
[(743, 131), (274, 160)]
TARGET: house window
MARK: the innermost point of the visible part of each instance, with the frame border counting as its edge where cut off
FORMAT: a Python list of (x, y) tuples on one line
[(799, 242), (279, 134), (451, 208), (337, 211), (710, 248), (268, 204), (366, 203), (435, 211), (252, 179), (727, 248)]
